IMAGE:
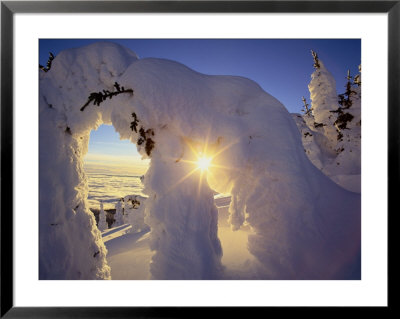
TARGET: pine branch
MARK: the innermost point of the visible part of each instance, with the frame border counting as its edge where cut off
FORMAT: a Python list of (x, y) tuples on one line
[(316, 61), (145, 135), (134, 123), (307, 111), (316, 125), (98, 97), (342, 120), (48, 65), (345, 98), (149, 146)]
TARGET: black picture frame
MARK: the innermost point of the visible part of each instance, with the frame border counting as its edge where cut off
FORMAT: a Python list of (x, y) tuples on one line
[(9, 8)]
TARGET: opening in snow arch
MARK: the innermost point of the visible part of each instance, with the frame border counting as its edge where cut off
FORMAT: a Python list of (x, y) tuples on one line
[(305, 226)]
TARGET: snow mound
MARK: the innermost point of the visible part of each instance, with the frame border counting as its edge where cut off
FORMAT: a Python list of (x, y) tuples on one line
[(304, 225)]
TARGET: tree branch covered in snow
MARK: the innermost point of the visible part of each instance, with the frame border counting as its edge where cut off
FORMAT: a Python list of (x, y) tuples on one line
[(98, 97), (48, 65)]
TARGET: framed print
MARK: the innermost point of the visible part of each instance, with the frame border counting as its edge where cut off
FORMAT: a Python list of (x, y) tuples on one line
[(197, 155)]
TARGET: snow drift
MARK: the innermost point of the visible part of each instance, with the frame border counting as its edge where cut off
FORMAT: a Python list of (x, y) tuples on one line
[(305, 226)]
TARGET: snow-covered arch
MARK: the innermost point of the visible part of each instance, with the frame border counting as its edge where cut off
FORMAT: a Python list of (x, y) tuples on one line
[(305, 226)]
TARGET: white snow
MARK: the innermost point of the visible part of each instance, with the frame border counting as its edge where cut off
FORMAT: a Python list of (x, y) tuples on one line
[(134, 208), (324, 99), (301, 224), (129, 253), (102, 225), (333, 149)]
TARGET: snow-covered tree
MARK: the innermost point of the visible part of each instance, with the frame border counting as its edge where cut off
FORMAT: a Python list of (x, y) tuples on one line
[(102, 218), (119, 217), (348, 125), (309, 138), (334, 145), (135, 212), (323, 95)]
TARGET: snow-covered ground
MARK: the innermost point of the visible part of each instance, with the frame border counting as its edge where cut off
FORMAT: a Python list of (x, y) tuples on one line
[(129, 253)]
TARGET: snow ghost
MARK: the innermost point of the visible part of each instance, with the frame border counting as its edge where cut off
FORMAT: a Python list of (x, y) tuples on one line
[(102, 225), (119, 217), (134, 212), (305, 226)]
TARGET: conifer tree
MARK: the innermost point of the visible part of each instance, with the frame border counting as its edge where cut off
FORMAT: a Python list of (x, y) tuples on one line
[(323, 100), (331, 136), (348, 122), (306, 110)]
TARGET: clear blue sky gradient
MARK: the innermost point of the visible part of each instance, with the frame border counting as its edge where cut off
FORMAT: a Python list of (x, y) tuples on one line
[(281, 67)]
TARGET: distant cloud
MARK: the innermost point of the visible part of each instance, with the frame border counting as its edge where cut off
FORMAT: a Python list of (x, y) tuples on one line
[(115, 164)]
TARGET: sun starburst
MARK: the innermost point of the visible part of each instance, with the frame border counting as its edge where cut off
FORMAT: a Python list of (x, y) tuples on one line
[(201, 158), (203, 163)]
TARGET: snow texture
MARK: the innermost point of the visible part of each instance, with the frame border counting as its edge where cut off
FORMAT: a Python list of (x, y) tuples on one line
[(304, 225)]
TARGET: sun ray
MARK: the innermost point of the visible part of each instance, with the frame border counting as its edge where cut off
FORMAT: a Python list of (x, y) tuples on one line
[(226, 147), (223, 167), (189, 162), (182, 179), (189, 144), (203, 157), (205, 149)]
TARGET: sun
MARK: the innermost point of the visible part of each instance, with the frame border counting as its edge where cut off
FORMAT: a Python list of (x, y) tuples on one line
[(203, 163)]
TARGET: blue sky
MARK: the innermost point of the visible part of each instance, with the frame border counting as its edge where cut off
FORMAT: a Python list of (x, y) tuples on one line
[(281, 67)]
